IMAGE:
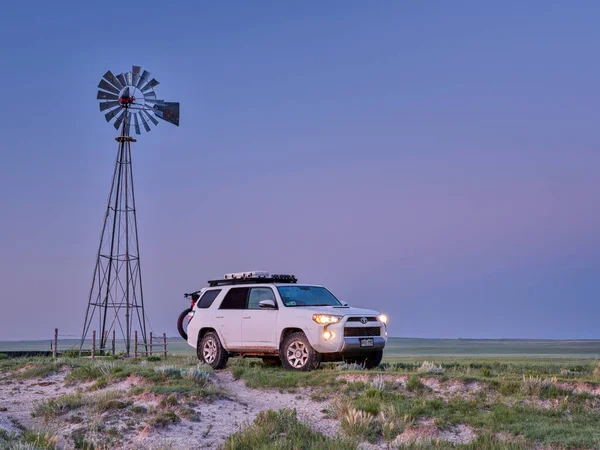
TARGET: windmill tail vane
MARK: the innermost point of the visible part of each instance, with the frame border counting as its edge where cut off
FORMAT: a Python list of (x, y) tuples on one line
[(127, 100)]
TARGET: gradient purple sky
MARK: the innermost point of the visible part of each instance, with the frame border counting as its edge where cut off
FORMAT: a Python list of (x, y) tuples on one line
[(438, 161)]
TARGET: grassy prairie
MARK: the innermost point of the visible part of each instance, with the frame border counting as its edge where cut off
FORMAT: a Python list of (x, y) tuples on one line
[(397, 347)]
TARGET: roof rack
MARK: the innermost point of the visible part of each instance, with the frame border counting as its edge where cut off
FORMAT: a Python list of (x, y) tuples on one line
[(271, 278)]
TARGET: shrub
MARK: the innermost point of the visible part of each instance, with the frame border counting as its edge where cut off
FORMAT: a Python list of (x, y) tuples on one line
[(351, 366), (170, 400), (535, 385), (414, 384), (486, 372), (164, 419), (167, 370), (378, 383), (55, 407), (357, 423), (3, 356), (110, 400), (430, 368), (153, 358), (195, 374), (597, 371)]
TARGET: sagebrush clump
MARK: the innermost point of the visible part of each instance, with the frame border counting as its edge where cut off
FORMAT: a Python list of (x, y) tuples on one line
[(430, 368)]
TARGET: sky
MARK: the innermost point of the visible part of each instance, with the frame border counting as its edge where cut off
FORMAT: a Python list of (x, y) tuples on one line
[(437, 161)]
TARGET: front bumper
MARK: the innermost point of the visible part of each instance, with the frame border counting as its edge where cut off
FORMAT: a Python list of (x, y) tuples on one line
[(352, 344)]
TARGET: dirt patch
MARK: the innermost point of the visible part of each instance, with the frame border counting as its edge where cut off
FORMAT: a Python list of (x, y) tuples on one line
[(426, 432)]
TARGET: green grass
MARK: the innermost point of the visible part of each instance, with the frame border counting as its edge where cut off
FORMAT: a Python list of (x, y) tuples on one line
[(282, 430), (55, 407)]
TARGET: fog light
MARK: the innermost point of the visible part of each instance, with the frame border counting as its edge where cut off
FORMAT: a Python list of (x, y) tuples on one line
[(328, 335)]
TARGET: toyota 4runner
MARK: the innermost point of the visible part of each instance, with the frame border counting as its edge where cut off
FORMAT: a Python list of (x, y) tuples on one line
[(271, 316)]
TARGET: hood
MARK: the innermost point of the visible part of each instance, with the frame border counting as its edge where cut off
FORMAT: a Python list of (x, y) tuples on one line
[(340, 310)]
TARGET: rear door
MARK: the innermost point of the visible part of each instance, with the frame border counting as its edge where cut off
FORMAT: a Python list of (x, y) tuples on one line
[(229, 316), (259, 325)]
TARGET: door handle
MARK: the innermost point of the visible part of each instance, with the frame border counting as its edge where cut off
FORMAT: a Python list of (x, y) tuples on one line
[(218, 317), (246, 317)]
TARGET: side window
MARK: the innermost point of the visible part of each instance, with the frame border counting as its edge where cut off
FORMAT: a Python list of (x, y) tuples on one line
[(235, 299), (258, 294), (208, 298)]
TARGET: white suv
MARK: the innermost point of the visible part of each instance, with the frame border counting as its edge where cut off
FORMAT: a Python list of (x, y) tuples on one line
[(271, 316)]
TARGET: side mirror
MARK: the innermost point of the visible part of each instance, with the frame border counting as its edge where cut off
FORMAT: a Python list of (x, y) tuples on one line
[(267, 304), (344, 304)]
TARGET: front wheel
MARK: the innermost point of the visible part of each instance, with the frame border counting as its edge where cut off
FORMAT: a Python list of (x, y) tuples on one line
[(297, 354), (182, 323), (211, 352)]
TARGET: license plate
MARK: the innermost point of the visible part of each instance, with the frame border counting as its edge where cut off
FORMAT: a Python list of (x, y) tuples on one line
[(366, 342)]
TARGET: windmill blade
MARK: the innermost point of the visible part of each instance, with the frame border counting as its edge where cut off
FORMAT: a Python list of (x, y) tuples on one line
[(150, 85), (113, 80), (126, 92), (121, 78), (107, 86), (129, 78), (143, 79), (146, 126), (137, 124), (109, 115), (107, 105), (153, 100), (149, 95), (106, 96), (136, 74), (154, 121), (120, 118), (168, 111)]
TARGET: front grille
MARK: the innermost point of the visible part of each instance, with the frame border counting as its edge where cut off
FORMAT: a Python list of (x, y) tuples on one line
[(362, 331), (357, 319)]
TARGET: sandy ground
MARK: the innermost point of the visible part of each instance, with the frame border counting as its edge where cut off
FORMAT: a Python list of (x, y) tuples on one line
[(218, 419)]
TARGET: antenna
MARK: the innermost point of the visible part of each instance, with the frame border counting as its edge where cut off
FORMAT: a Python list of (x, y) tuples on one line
[(130, 100)]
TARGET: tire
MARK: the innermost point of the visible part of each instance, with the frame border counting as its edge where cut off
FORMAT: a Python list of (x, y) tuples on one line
[(211, 352), (271, 361), (368, 360), (296, 353), (180, 319)]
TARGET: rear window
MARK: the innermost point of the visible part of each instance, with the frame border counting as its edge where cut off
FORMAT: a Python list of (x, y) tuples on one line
[(235, 299), (208, 298)]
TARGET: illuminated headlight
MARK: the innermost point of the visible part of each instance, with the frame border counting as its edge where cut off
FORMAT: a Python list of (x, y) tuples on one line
[(325, 319), (383, 318)]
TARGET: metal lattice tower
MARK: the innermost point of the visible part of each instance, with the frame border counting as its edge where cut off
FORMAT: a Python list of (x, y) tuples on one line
[(116, 297)]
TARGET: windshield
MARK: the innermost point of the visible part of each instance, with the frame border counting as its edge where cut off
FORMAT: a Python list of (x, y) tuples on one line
[(307, 296)]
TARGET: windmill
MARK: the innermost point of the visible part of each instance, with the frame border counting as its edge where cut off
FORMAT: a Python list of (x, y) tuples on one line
[(116, 295)]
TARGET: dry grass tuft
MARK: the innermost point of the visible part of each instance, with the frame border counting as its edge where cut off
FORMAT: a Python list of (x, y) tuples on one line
[(535, 385), (430, 368)]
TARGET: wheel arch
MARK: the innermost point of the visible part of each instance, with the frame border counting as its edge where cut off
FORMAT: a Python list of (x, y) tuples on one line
[(287, 331)]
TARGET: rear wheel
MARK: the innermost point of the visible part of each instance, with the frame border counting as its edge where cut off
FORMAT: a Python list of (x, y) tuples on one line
[(211, 352), (297, 354), (182, 323)]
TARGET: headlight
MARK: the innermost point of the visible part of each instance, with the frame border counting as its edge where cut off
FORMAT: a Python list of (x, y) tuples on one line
[(324, 319), (382, 318)]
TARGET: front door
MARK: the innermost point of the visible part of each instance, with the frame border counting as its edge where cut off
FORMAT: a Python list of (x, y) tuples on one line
[(259, 325)]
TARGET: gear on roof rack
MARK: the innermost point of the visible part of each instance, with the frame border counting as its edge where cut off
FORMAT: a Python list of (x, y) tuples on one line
[(252, 277)]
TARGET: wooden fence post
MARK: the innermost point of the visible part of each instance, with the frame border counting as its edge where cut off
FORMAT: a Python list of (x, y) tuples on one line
[(55, 347), (165, 345), (150, 344), (93, 344), (135, 355), (113, 342)]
